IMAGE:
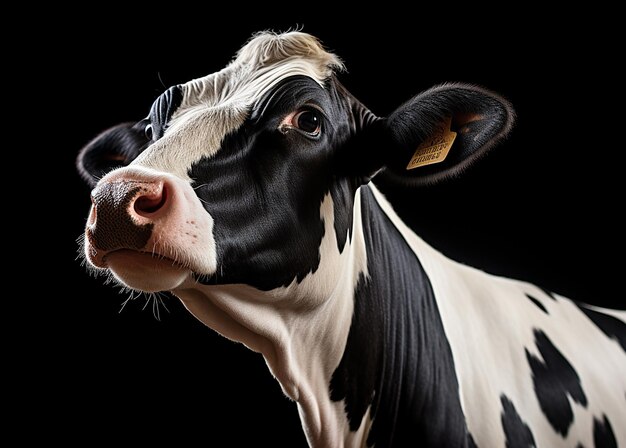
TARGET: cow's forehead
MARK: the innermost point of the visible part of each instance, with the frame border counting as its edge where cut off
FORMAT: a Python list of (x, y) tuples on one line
[(216, 105), (260, 64)]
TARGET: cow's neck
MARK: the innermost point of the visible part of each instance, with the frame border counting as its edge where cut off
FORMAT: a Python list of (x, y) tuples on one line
[(359, 338), (397, 351), (300, 329)]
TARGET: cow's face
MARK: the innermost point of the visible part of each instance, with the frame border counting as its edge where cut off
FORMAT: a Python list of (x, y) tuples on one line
[(225, 181)]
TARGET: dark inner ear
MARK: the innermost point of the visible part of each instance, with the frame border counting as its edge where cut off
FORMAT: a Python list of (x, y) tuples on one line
[(114, 148), (479, 118)]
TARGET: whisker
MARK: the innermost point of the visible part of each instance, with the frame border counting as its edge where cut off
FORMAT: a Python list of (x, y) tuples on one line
[(130, 297), (162, 302), (155, 307), (148, 297)]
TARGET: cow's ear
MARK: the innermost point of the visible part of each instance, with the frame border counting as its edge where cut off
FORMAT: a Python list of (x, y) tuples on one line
[(113, 148), (440, 132)]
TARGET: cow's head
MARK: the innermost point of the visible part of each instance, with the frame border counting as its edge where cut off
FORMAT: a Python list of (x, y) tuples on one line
[(225, 180)]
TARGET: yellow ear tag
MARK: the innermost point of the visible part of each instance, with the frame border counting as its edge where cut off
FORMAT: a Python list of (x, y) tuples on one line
[(435, 148)]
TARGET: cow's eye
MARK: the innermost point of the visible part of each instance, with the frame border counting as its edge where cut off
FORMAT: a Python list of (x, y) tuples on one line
[(307, 120), (148, 132)]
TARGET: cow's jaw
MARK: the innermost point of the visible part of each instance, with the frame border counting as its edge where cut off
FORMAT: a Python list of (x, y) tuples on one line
[(300, 329)]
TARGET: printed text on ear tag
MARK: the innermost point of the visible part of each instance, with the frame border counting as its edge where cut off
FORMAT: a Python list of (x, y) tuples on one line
[(435, 148)]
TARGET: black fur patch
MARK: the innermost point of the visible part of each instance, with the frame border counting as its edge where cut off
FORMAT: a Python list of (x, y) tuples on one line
[(609, 325), (603, 436), (554, 379), (162, 110), (517, 432), (538, 303), (264, 188), (397, 358)]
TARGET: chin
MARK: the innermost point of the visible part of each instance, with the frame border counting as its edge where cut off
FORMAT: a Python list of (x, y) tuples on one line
[(144, 272)]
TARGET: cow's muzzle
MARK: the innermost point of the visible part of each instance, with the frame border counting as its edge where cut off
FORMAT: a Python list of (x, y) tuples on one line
[(148, 229)]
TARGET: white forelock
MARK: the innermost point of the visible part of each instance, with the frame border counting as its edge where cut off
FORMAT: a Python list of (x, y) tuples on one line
[(267, 48), (263, 62)]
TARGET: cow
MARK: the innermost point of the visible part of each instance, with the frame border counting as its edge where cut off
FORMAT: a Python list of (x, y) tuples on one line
[(250, 195)]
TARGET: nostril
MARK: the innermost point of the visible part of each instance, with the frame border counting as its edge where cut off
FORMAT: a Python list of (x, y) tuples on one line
[(151, 202)]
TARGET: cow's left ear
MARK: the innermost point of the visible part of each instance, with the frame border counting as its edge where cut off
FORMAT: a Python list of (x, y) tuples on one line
[(113, 148), (440, 132)]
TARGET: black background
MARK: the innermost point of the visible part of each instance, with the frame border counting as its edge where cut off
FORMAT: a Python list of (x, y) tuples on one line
[(544, 207)]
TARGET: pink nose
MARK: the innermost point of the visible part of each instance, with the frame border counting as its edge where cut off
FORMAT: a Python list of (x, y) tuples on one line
[(123, 213)]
